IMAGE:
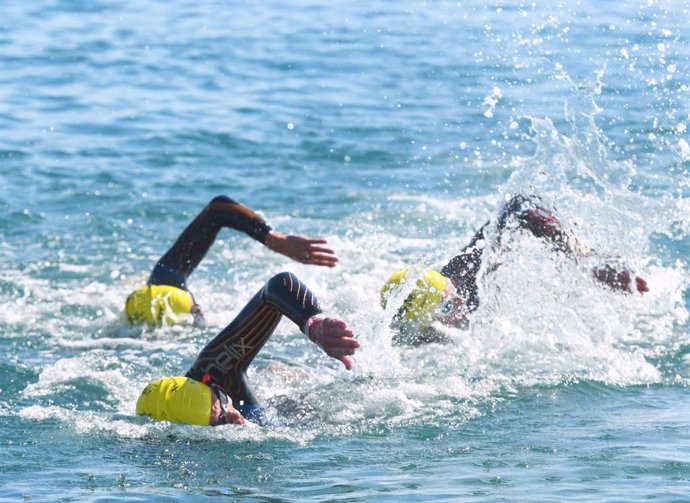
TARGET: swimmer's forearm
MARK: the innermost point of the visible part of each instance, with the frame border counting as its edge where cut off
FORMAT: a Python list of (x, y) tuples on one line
[(227, 212), (286, 293), (275, 241)]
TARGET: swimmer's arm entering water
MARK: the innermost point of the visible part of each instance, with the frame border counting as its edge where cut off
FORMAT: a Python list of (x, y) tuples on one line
[(612, 272), (541, 221), (227, 356)]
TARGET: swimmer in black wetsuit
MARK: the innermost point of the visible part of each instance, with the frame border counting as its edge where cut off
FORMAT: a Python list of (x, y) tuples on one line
[(450, 296), (166, 298), (215, 389)]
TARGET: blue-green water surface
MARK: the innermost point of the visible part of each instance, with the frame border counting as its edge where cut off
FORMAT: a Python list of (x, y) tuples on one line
[(394, 130)]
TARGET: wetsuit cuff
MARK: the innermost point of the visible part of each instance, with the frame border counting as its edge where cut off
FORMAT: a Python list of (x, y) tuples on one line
[(261, 232)]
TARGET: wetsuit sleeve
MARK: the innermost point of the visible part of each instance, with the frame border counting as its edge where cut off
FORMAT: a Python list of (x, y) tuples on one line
[(226, 212), (464, 268), (533, 216), (191, 246), (287, 294), (226, 358)]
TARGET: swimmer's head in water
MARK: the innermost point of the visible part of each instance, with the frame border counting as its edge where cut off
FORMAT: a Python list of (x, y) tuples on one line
[(176, 399), (159, 305), (422, 302)]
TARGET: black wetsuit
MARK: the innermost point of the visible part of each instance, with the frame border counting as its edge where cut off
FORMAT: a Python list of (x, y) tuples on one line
[(463, 269), (225, 359), (528, 214), (521, 212), (191, 246)]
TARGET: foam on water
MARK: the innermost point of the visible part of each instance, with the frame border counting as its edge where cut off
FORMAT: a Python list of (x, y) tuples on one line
[(542, 320)]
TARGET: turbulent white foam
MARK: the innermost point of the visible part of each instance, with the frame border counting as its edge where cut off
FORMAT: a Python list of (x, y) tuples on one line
[(543, 320)]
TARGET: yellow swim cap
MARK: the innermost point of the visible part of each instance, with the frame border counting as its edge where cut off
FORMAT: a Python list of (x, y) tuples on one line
[(176, 399), (159, 305), (420, 304)]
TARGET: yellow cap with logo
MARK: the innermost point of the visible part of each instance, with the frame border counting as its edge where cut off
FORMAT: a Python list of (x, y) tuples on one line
[(176, 399), (159, 305), (420, 304)]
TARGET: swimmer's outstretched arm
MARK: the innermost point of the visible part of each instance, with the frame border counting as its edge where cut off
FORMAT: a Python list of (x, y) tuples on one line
[(229, 213), (301, 248), (544, 224), (612, 273), (178, 263)]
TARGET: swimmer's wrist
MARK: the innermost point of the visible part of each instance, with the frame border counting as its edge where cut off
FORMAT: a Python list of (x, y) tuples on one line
[(273, 240), (307, 326)]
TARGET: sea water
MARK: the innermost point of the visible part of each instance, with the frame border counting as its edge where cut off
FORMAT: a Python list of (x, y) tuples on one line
[(394, 130)]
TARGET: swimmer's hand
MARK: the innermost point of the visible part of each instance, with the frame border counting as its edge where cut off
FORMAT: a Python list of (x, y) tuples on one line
[(620, 279), (335, 338), (232, 415), (302, 249), (641, 285)]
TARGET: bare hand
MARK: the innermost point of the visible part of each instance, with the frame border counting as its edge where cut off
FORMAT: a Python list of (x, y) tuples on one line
[(232, 415), (302, 249), (641, 285), (620, 280), (335, 338)]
